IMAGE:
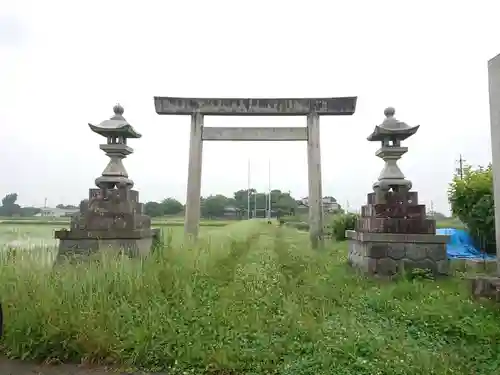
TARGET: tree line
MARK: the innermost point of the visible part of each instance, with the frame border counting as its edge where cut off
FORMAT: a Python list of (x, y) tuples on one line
[(219, 205), (212, 206)]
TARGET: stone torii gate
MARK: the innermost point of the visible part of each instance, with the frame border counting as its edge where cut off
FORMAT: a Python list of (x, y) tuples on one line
[(312, 108)]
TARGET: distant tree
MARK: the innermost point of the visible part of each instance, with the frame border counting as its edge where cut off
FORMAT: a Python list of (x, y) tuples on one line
[(9, 199), (214, 206), (153, 209), (66, 207), (284, 203), (171, 206), (240, 198), (9, 206)]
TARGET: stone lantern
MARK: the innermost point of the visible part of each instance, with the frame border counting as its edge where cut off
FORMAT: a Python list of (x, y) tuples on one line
[(112, 218), (393, 232), (116, 130), (390, 134)]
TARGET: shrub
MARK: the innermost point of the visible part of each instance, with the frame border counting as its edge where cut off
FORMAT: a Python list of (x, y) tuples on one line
[(471, 199), (342, 222)]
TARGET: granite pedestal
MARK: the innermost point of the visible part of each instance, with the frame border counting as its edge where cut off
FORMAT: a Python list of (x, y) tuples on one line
[(110, 220), (396, 237)]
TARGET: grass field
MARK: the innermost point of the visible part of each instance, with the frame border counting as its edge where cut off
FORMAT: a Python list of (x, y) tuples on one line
[(450, 223), (251, 298), (35, 236)]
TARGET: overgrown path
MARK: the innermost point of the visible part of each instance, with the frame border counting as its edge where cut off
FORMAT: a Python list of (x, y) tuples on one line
[(250, 299)]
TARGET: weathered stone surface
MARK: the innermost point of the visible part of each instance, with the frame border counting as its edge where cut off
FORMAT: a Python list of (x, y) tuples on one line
[(396, 251), (410, 197), (486, 287), (396, 237), (443, 267), (387, 266), (393, 229), (111, 219), (416, 251), (436, 251), (254, 134), (377, 250), (85, 247), (387, 259), (396, 225), (255, 106), (395, 211)]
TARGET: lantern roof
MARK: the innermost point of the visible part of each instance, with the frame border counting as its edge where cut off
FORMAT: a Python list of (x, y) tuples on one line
[(392, 128), (116, 126)]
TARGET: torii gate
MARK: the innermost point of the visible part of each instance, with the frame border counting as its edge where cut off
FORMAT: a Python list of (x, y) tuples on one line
[(312, 108)]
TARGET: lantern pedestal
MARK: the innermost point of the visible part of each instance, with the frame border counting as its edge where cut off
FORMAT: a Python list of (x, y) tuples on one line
[(394, 237), (112, 218), (393, 234), (113, 222)]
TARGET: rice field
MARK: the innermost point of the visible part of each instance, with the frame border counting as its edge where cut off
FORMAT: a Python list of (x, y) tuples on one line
[(35, 242)]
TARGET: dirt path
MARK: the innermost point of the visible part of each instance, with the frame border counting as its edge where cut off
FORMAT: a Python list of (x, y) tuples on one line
[(14, 367)]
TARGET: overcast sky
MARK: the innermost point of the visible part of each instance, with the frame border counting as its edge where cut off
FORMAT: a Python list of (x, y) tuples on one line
[(64, 64)]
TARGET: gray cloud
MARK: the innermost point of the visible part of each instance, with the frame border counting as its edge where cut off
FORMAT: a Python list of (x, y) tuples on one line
[(84, 57), (12, 33)]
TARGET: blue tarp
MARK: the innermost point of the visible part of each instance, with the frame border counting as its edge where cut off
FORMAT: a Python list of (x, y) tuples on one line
[(461, 245)]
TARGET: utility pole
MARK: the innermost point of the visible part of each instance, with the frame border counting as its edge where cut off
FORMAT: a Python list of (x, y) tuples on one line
[(248, 192), (265, 203), (255, 204), (460, 169), (269, 182)]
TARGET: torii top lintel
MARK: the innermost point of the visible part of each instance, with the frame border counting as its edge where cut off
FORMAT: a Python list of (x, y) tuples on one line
[(342, 106)]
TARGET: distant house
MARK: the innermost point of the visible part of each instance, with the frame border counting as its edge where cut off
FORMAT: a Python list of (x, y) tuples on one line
[(329, 204), (57, 212), (231, 212)]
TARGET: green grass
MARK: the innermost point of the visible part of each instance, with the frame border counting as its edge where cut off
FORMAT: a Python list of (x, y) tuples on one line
[(29, 234), (450, 223), (251, 298), (301, 223), (36, 244)]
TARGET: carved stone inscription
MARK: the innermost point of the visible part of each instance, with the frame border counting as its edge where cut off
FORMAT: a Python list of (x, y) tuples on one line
[(255, 107)]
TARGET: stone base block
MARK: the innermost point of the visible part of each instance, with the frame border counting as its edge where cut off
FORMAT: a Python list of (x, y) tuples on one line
[(486, 287), (385, 254), (85, 247), (396, 225)]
